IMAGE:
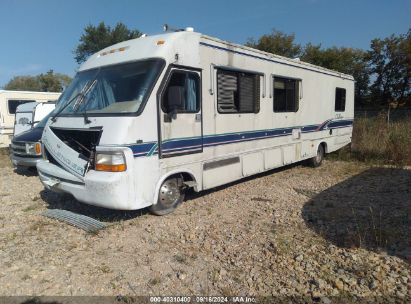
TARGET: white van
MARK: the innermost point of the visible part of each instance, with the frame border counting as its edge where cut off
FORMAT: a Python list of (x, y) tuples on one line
[(28, 115), (9, 101), (146, 119)]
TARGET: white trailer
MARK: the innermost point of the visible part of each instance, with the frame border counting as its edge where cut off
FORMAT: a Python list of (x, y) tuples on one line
[(28, 115), (9, 101), (146, 119)]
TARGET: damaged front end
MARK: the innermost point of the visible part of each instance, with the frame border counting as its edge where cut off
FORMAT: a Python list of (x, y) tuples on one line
[(82, 141), (75, 162)]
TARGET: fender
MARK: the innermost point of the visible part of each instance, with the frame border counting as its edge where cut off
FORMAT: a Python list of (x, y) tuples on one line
[(167, 175)]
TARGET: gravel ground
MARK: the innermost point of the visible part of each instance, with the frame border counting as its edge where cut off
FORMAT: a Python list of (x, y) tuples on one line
[(343, 229)]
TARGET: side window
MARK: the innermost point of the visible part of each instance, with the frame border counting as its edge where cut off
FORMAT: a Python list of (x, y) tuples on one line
[(286, 94), (238, 92), (14, 103), (182, 94), (340, 99)]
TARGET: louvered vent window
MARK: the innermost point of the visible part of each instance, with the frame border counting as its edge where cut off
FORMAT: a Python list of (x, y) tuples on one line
[(238, 92)]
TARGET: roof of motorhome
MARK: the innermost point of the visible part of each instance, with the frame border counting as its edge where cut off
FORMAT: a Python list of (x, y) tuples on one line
[(29, 92), (156, 46), (146, 47), (276, 58)]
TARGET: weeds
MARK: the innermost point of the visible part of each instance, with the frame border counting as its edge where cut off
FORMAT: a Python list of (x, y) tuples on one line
[(181, 258), (155, 281), (376, 141), (369, 231), (104, 268)]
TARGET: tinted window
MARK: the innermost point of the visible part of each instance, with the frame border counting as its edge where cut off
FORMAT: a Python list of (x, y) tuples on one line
[(238, 92), (286, 95), (340, 99), (182, 94), (14, 103)]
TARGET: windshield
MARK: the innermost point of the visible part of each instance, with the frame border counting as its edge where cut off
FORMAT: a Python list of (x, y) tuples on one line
[(120, 88)]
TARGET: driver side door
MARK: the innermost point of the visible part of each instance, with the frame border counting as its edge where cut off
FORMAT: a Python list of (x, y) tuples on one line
[(181, 130)]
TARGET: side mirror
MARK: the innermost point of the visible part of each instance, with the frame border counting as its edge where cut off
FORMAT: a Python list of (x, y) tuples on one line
[(175, 99)]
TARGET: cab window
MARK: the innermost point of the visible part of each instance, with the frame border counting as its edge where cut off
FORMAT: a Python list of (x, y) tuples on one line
[(182, 94)]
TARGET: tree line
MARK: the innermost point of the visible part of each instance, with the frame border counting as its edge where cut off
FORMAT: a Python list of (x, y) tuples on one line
[(382, 73), (48, 82)]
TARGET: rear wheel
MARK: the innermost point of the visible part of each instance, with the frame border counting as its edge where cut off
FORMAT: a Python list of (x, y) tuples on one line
[(171, 194), (318, 159)]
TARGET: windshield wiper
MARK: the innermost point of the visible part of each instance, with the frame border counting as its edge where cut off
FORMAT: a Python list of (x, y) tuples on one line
[(81, 93), (82, 97), (81, 100)]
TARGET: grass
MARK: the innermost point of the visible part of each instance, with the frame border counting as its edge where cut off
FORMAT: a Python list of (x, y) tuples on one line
[(181, 258), (377, 141), (155, 280)]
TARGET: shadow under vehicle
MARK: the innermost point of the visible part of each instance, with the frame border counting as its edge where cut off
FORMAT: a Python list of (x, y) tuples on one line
[(372, 211)]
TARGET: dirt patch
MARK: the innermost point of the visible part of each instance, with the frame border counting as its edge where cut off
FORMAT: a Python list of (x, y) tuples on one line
[(260, 236), (4, 158)]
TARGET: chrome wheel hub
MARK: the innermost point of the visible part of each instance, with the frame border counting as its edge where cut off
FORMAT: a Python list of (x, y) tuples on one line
[(169, 192)]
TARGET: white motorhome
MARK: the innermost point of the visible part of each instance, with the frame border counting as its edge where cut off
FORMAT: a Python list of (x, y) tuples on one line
[(9, 101), (28, 115), (146, 119)]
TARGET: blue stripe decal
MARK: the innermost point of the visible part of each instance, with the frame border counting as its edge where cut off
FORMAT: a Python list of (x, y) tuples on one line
[(141, 149), (182, 145)]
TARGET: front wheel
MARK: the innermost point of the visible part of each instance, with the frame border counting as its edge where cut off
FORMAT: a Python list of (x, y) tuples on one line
[(171, 194), (318, 159)]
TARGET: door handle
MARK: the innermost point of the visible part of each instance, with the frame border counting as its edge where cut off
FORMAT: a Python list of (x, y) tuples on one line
[(198, 117)]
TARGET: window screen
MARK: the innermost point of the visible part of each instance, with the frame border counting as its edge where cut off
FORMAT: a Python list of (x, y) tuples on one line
[(339, 100), (286, 94), (238, 92), (14, 103), (182, 93)]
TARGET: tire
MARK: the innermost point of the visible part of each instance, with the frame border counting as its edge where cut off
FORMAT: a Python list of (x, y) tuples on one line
[(318, 159), (170, 195)]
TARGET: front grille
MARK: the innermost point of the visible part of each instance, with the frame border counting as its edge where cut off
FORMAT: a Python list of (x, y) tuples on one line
[(18, 148)]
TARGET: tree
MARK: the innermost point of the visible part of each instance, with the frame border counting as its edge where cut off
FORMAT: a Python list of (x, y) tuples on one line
[(277, 43), (23, 83), (345, 60), (48, 82), (96, 38), (51, 82), (390, 62)]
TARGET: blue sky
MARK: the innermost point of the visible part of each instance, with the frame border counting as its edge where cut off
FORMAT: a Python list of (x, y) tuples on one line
[(38, 35)]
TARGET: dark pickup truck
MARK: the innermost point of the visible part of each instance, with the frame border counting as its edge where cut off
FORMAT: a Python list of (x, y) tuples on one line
[(25, 148)]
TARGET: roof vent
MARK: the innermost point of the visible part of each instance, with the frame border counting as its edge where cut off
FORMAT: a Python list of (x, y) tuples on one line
[(168, 28)]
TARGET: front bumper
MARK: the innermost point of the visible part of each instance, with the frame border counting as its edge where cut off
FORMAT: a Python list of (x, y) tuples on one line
[(24, 161), (103, 189)]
